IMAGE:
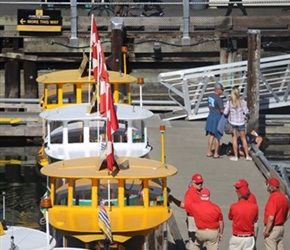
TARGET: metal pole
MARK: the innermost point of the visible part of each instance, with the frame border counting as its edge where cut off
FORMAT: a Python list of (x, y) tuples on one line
[(162, 131), (4, 206), (74, 22), (253, 83), (186, 18)]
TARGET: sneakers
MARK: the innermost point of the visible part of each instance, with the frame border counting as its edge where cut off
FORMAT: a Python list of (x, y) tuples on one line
[(236, 158), (143, 14), (161, 13)]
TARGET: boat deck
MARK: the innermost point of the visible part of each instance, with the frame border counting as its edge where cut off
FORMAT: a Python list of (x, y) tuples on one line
[(185, 148)]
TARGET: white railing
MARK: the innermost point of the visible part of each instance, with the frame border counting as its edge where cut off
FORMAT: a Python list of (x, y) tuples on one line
[(256, 3), (189, 88)]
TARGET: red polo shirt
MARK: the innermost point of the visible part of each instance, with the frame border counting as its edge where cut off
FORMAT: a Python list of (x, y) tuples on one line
[(277, 206), (191, 197), (252, 198), (243, 214), (206, 215)]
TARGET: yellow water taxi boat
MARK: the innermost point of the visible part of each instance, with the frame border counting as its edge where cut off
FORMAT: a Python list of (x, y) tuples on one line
[(137, 204), (65, 88), (75, 86), (135, 197)]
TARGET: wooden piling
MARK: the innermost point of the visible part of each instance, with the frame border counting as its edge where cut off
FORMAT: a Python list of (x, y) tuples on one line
[(12, 79), (30, 83), (114, 61), (253, 86)]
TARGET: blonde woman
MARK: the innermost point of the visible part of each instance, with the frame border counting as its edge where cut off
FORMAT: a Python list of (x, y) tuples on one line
[(236, 109)]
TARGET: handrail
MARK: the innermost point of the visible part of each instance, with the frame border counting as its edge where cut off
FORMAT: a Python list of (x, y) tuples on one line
[(268, 170), (194, 85)]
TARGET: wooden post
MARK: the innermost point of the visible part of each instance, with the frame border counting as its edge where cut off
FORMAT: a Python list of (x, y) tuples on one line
[(253, 83), (115, 60), (30, 75), (12, 79)]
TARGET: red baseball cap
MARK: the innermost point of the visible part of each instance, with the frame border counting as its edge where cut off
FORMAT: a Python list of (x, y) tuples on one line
[(197, 178), (241, 183), (273, 182), (204, 192), (243, 191)]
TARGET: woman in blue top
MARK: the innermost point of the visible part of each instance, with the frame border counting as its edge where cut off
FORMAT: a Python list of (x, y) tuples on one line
[(236, 109)]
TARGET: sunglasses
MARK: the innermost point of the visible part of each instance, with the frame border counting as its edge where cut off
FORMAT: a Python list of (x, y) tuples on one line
[(198, 183)]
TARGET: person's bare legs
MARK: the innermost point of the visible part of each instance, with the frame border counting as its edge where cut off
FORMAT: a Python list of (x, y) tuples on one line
[(244, 142), (210, 144), (216, 148), (235, 142)]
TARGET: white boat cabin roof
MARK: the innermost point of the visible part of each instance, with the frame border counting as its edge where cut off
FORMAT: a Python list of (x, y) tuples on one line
[(80, 112), (26, 239)]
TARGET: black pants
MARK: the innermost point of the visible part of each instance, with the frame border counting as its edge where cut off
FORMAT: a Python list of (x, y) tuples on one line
[(240, 5)]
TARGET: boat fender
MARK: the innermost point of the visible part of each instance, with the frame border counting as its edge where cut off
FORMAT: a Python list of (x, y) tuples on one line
[(1, 229), (149, 146)]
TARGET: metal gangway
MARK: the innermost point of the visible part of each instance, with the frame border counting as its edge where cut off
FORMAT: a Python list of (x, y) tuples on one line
[(190, 88)]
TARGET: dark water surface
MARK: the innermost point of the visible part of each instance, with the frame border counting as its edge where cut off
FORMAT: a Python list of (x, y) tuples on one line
[(21, 203)]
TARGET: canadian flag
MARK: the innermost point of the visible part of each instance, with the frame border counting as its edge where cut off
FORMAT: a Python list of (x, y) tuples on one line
[(107, 107)]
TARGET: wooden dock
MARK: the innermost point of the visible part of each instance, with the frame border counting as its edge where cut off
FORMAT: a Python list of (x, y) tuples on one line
[(20, 120)]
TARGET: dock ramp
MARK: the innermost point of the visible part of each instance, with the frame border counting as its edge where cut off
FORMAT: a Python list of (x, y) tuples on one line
[(190, 88)]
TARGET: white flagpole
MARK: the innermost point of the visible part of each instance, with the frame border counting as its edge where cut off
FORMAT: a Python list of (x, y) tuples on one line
[(90, 57), (109, 195)]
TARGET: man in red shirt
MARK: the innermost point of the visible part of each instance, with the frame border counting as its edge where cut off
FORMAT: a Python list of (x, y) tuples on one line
[(243, 183), (209, 222), (191, 198), (244, 214), (252, 198), (275, 215)]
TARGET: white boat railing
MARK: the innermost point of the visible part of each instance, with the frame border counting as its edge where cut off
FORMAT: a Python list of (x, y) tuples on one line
[(189, 88)]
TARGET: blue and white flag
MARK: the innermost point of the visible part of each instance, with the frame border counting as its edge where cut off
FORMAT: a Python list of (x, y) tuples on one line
[(104, 223)]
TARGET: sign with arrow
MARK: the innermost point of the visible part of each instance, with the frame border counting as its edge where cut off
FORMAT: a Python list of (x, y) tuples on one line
[(39, 20)]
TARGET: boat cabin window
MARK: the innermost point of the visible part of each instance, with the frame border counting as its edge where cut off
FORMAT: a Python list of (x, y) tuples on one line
[(61, 191), (133, 196), (67, 93), (82, 192), (75, 132), (97, 131), (87, 92), (52, 95), (55, 132), (61, 93), (108, 192)]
